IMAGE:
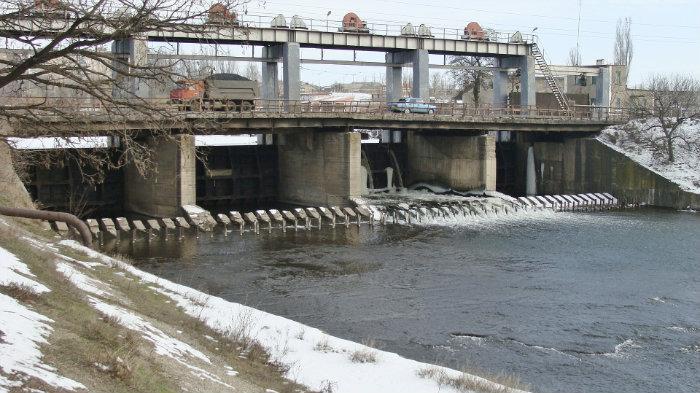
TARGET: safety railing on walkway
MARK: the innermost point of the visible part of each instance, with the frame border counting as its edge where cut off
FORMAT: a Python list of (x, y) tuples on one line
[(448, 111)]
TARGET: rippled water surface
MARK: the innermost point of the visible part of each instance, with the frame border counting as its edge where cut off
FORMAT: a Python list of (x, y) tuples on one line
[(599, 302)]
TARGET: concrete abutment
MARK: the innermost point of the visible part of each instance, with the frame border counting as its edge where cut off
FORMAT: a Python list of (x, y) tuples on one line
[(319, 168), (584, 165), (460, 162), (168, 184)]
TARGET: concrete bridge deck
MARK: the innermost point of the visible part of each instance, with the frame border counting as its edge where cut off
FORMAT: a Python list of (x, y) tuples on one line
[(274, 116)]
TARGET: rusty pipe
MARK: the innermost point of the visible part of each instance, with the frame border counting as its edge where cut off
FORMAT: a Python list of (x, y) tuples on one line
[(71, 220)]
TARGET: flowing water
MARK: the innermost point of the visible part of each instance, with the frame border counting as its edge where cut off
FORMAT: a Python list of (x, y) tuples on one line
[(569, 302)]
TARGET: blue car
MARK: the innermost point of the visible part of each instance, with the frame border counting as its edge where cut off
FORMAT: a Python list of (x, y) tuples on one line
[(412, 105)]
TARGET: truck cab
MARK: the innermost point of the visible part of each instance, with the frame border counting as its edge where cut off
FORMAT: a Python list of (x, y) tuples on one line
[(186, 91)]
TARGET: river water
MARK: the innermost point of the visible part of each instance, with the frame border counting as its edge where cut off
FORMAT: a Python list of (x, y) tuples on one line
[(569, 302)]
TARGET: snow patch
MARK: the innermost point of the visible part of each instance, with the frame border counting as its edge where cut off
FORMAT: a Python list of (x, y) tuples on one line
[(84, 282), (13, 271), (23, 330), (193, 209), (164, 344)]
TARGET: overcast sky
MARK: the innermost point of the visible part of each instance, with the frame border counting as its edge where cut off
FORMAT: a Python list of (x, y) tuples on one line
[(666, 33)]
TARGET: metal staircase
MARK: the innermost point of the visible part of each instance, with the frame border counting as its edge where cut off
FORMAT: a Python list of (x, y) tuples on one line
[(549, 77)]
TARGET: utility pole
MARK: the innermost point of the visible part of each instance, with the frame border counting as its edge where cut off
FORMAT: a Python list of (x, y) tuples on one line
[(578, 30)]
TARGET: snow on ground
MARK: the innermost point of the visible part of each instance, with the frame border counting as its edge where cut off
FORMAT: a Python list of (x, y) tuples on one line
[(685, 171), (314, 358), (60, 143), (22, 331), (165, 345), (342, 97), (226, 140), (84, 282), (13, 271)]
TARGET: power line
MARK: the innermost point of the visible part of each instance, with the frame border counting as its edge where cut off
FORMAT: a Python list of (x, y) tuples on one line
[(589, 33), (514, 13)]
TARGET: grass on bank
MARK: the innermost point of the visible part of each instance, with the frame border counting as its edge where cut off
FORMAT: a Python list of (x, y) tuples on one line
[(465, 382), (99, 352)]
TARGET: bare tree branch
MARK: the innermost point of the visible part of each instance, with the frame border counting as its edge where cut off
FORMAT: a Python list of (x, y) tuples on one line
[(676, 99), (624, 48), (61, 58)]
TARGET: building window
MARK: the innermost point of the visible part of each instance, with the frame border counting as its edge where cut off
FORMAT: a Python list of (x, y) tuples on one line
[(619, 77), (594, 80), (618, 102)]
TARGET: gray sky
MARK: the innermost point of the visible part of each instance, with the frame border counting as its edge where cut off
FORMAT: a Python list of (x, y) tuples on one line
[(666, 34)]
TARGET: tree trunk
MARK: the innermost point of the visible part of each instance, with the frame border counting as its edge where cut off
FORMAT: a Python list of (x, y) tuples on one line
[(669, 149)]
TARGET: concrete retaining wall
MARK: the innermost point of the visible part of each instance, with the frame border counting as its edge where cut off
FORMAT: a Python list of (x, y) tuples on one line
[(588, 165)]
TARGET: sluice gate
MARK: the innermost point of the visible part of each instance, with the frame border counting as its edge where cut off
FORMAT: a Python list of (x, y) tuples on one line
[(237, 177), (196, 219)]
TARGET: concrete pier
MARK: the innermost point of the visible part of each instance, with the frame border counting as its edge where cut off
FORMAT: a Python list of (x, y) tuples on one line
[(319, 168), (130, 53), (461, 162), (270, 73), (420, 61), (501, 82), (169, 184), (291, 71)]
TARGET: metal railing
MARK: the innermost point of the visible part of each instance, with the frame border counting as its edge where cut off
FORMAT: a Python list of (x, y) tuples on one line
[(84, 108), (200, 18)]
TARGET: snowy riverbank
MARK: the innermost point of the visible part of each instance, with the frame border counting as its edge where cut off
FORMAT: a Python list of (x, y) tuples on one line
[(629, 139), (307, 356)]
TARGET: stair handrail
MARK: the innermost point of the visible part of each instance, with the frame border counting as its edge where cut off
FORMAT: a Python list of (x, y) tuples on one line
[(554, 86)]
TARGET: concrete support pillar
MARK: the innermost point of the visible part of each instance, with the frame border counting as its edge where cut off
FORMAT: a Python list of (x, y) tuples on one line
[(169, 184), (270, 74), (319, 168), (487, 156), (129, 53), (393, 80), (528, 85), (501, 86), (602, 89), (291, 71), (421, 74), (501, 82), (461, 162)]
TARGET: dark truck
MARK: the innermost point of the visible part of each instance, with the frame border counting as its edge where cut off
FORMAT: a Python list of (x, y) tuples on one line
[(223, 92)]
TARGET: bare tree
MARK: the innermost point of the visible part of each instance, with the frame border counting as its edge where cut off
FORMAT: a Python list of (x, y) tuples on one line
[(574, 58), (440, 85), (252, 71), (84, 59), (676, 100), (407, 84), (624, 49), (471, 75)]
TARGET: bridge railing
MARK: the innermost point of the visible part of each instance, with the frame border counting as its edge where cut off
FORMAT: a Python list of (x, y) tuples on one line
[(448, 111), (442, 111)]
